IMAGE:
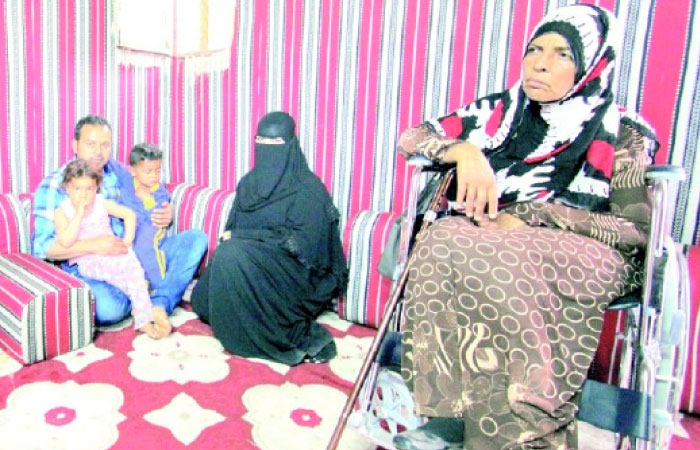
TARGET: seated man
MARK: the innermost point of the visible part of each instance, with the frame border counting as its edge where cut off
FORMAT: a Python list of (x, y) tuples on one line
[(93, 143)]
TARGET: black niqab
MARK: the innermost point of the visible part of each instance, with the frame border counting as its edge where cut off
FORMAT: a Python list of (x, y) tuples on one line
[(279, 168)]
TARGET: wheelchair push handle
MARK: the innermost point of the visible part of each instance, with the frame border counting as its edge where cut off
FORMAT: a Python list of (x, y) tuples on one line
[(665, 172)]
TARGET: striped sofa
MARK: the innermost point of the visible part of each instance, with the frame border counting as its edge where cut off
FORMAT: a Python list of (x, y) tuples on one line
[(44, 312)]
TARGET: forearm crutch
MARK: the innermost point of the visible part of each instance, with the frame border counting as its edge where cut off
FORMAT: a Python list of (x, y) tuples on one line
[(428, 218)]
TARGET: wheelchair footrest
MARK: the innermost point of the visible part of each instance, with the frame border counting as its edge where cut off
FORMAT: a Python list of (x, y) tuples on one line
[(616, 409)]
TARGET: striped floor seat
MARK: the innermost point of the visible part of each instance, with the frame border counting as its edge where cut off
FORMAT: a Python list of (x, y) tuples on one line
[(368, 292), (44, 312)]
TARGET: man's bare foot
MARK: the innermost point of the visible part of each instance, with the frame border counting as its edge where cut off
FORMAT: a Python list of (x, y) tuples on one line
[(162, 322), (151, 330)]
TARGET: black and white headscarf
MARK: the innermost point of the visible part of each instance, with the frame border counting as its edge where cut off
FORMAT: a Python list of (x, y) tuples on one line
[(558, 151)]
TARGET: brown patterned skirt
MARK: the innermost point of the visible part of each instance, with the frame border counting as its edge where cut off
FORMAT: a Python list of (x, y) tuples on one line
[(500, 328)]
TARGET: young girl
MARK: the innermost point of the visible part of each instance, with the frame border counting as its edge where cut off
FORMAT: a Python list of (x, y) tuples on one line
[(86, 214)]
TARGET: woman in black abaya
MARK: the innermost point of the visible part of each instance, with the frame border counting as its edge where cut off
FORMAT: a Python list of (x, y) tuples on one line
[(281, 261)]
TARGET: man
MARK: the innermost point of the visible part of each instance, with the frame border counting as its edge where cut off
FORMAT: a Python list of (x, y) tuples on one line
[(92, 143)]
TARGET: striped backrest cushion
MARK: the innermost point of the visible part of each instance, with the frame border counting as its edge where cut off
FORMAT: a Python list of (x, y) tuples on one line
[(368, 291), (14, 225), (201, 208)]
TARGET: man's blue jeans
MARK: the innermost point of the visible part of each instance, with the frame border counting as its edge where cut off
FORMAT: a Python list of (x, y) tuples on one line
[(183, 253)]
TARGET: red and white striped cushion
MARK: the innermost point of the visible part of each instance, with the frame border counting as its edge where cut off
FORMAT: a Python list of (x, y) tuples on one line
[(368, 292), (200, 208), (14, 226), (44, 312)]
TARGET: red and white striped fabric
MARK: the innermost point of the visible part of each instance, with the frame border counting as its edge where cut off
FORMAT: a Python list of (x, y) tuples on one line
[(201, 208), (14, 225), (368, 292), (690, 399), (44, 312), (353, 74)]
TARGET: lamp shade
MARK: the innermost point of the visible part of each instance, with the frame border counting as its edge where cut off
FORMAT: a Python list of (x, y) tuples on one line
[(150, 30)]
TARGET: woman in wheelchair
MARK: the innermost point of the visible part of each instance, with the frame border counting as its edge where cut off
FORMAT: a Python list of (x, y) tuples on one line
[(503, 309)]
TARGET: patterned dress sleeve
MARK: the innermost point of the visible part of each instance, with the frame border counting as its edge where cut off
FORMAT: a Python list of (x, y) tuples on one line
[(424, 140), (469, 123)]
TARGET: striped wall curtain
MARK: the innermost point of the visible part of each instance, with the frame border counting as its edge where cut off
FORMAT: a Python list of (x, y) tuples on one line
[(354, 73)]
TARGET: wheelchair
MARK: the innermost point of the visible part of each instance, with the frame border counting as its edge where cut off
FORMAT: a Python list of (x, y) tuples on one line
[(649, 354)]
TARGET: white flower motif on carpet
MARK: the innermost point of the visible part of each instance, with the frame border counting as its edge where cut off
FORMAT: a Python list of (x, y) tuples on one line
[(351, 354), (290, 417), (180, 316), (77, 360), (46, 415), (184, 417), (180, 358), (280, 368), (330, 318), (8, 366)]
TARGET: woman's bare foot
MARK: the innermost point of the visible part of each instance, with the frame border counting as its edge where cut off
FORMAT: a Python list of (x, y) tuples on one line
[(151, 330), (162, 322)]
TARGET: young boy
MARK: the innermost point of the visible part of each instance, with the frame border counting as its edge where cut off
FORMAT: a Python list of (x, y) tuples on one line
[(142, 195)]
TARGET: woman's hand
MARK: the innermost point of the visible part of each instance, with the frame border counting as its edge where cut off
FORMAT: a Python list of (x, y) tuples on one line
[(476, 182)]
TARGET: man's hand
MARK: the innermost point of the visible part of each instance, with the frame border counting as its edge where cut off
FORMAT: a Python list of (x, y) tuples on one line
[(163, 215), (476, 182), (108, 245)]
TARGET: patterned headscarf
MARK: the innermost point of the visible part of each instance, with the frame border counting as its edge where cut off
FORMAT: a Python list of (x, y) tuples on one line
[(561, 150)]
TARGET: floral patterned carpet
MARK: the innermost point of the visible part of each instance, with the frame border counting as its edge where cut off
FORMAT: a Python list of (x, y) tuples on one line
[(127, 391)]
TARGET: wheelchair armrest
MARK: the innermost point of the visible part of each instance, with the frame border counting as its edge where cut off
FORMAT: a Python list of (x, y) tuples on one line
[(665, 172), (624, 303), (428, 165)]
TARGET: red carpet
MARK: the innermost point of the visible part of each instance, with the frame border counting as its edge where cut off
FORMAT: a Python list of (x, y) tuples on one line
[(127, 391)]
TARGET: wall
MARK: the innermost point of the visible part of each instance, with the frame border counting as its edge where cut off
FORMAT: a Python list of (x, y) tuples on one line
[(354, 73)]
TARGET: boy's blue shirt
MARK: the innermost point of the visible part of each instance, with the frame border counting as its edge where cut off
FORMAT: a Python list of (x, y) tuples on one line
[(148, 237), (129, 198)]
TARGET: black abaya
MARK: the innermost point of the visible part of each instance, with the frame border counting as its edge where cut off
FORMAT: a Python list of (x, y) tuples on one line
[(284, 263)]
